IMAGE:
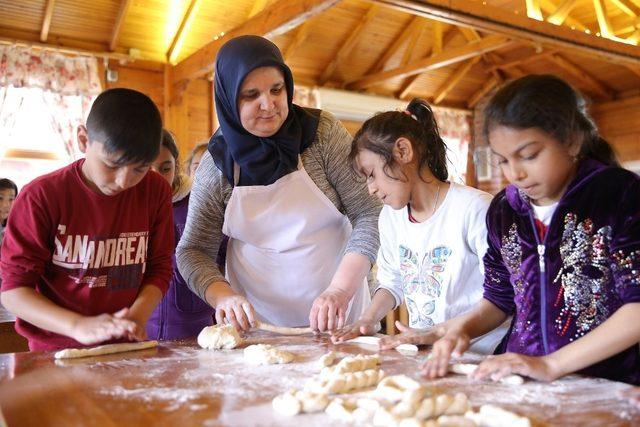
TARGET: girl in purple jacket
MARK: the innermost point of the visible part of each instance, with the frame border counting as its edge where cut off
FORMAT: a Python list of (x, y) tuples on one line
[(564, 245), (181, 313)]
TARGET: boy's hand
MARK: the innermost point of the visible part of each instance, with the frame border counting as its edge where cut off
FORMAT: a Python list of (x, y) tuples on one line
[(411, 336), (454, 342), (90, 330), (363, 326), (329, 310), (139, 332), (497, 367)]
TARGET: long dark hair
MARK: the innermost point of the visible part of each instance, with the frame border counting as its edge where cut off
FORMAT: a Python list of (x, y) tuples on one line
[(169, 142), (550, 104), (417, 124)]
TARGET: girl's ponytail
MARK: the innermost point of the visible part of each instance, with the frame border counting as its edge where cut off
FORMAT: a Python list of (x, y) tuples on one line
[(436, 149)]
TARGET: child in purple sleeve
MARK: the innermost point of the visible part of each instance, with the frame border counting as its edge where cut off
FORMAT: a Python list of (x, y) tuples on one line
[(564, 245), (181, 313)]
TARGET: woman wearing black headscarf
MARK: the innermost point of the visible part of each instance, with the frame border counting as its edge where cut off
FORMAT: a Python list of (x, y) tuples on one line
[(303, 232)]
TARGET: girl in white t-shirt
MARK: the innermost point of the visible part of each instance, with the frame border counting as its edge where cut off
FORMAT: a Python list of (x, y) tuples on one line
[(432, 231)]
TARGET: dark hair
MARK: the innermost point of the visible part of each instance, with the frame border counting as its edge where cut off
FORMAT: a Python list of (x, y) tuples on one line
[(417, 124), (202, 147), (169, 142), (126, 121), (550, 104), (7, 184)]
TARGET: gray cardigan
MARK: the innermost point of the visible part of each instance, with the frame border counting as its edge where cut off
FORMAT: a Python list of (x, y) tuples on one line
[(325, 160)]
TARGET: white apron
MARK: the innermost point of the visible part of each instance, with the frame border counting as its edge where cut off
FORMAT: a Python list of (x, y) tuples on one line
[(286, 242)]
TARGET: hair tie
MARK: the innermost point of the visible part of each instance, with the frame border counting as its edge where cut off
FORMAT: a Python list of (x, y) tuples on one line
[(408, 113)]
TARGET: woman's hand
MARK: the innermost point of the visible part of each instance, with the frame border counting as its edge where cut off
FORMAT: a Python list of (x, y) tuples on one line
[(230, 307), (496, 367), (454, 342), (409, 335), (329, 310), (363, 326)]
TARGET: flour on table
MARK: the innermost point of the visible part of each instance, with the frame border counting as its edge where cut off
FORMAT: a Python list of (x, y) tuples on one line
[(218, 337)]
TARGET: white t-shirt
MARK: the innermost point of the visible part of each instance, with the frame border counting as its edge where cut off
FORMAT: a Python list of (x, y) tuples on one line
[(436, 266), (544, 213)]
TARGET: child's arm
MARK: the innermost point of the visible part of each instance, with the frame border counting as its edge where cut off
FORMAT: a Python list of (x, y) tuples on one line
[(457, 334), (617, 333), (383, 302), (142, 308), (27, 304)]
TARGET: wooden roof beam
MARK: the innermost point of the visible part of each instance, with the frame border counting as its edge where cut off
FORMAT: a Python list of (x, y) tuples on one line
[(275, 19), (302, 32), (444, 59), (627, 7), (117, 28), (454, 79), (46, 22), (410, 52), (257, 6), (437, 37), (183, 30), (549, 8), (562, 12), (348, 44), (408, 84), (634, 69), (533, 10), (581, 75), (525, 60), (603, 18), (497, 20), (486, 88), (396, 45)]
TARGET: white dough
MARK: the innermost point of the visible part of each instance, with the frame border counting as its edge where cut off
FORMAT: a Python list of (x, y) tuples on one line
[(352, 364), (467, 368), (326, 360), (219, 337), (72, 353), (264, 354), (345, 382), (282, 330), (375, 341), (295, 402), (398, 387)]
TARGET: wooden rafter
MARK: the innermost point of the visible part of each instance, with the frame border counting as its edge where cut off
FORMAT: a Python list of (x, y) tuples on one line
[(562, 12), (591, 82), (550, 8), (396, 45), (410, 52), (348, 45), (627, 7), (408, 84), (533, 9), (183, 30), (603, 18), (437, 37), (257, 6), (445, 58), (302, 32), (454, 79), (275, 19), (497, 20), (117, 28), (525, 60), (634, 69), (46, 22), (485, 89)]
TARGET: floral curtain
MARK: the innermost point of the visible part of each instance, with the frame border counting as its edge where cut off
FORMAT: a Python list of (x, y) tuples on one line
[(306, 97), (455, 129), (68, 86)]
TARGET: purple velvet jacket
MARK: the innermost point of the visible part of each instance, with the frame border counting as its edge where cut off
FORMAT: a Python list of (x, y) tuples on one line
[(585, 269), (181, 313)]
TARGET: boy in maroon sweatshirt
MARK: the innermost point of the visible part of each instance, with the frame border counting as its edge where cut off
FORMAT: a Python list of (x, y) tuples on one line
[(87, 252)]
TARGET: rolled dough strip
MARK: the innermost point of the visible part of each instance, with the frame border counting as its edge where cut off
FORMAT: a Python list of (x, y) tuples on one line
[(375, 341), (467, 368), (73, 353), (282, 330)]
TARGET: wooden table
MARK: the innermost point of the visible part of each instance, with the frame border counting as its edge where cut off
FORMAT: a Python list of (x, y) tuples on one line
[(180, 384)]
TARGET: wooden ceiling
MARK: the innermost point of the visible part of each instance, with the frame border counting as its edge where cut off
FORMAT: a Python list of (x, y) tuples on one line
[(451, 52)]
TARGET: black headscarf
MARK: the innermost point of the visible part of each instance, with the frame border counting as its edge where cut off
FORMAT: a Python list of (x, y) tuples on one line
[(262, 161)]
